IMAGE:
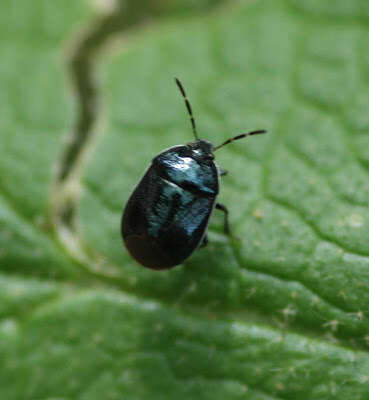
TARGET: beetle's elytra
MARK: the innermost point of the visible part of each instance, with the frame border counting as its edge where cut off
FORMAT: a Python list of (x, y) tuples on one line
[(167, 215)]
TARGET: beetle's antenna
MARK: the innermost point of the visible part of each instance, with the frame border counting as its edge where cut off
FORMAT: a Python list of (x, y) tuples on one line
[(189, 109), (243, 135)]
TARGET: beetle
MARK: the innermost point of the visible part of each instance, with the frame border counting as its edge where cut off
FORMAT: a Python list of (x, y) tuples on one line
[(166, 217)]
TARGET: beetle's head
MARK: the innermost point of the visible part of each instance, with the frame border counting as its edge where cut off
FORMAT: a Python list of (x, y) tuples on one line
[(202, 149)]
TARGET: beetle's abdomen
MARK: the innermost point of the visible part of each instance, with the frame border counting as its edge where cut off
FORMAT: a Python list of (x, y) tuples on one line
[(162, 223)]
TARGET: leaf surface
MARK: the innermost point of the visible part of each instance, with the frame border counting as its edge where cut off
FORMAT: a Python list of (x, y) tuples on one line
[(280, 314)]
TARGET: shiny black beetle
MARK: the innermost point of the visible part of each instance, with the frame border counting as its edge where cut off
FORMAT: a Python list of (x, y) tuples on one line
[(167, 215)]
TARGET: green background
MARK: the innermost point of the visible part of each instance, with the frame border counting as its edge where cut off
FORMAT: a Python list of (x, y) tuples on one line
[(87, 98)]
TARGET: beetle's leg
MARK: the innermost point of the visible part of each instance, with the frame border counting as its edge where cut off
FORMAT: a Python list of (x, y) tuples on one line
[(223, 208), (205, 241), (223, 172), (227, 229)]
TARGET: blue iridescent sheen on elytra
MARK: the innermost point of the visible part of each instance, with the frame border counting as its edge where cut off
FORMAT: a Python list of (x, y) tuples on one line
[(166, 217)]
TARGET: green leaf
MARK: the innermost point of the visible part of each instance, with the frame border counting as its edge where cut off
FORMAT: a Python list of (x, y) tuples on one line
[(36, 114), (282, 313)]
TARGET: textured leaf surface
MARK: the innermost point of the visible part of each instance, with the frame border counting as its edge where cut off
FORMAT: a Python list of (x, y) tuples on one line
[(280, 314), (36, 114)]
